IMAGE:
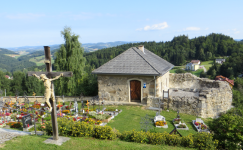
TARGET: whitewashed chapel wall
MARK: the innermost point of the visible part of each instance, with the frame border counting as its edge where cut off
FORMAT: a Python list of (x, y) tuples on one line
[(162, 83)]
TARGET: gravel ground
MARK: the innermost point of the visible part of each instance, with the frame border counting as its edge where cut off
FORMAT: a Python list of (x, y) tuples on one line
[(7, 134)]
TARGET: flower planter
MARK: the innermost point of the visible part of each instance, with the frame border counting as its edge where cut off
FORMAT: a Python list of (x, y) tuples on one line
[(176, 125), (200, 130), (165, 126), (105, 120)]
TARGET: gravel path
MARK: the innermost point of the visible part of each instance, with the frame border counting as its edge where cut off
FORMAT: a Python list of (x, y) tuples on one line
[(8, 134)]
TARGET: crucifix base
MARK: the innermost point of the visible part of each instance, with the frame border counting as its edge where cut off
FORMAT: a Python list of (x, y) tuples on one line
[(59, 142)]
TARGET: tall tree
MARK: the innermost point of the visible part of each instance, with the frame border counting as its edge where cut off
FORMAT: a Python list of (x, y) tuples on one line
[(69, 58)]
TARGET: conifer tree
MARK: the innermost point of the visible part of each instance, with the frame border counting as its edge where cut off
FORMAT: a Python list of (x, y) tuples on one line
[(69, 58)]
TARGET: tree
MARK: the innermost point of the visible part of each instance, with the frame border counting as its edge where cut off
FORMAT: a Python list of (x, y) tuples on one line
[(69, 58), (213, 73), (18, 82), (228, 129)]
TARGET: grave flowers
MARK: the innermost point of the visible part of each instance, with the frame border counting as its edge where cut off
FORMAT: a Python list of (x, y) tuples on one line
[(160, 123), (66, 111), (98, 122)]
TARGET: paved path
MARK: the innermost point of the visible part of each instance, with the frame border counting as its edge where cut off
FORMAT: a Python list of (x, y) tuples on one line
[(205, 70), (8, 134)]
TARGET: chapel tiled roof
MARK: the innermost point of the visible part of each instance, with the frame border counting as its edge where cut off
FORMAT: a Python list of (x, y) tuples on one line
[(135, 62), (222, 78)]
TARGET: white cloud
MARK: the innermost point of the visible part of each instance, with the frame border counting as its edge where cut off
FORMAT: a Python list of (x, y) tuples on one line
[(159, 26), (236, 32), (192, 29), (25, 16), (206, 29)]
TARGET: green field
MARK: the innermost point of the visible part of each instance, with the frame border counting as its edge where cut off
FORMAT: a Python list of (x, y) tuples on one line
[(40, 60), (77, 143), (197, 73), (207, 64)]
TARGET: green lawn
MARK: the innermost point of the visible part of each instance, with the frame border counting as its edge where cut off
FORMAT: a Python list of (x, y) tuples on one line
[(197, 73), (40, 60), (77, 143), (130, 119), (207, 64)]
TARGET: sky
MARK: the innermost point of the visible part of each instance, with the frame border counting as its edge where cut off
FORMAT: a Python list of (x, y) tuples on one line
[(37, 23)]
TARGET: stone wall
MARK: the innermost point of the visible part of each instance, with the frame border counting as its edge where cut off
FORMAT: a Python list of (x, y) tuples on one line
[(116, 88), (196, 96)]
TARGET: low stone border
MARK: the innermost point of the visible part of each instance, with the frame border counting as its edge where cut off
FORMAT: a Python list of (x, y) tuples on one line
[(37, 132), (176, 125), (200, 130), (165, 126)]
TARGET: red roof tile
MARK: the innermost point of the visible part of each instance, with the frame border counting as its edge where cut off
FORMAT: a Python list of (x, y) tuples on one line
[(222, 78)]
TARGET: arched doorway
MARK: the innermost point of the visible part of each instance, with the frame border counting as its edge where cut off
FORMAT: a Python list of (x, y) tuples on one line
[(135, 91)]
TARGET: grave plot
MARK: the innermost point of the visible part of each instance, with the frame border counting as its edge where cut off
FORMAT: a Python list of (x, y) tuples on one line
[(159, 120), (200, 125), (179, 123), (91, 115)]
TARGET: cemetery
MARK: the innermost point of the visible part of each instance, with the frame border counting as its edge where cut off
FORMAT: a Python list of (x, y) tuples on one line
[(97, 117)]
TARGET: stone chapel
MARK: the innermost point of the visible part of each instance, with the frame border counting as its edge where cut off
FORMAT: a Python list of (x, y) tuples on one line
[(133, 76)]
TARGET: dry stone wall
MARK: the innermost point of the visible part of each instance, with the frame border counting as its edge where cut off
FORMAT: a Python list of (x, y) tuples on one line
[(196, 96)]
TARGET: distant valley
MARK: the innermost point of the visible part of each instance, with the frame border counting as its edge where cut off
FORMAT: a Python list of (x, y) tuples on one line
[(88, 47)]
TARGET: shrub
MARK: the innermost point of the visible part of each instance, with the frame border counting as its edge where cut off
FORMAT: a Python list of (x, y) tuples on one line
[(156, 138), (228, 130), (104, 132), (15, 125), (204, 140), (68, 127), (187, 141)]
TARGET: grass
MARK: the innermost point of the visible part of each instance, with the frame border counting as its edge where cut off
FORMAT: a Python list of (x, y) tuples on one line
[(40, 60), (130, 119), (197, 73), (77, 143), (207, 64)]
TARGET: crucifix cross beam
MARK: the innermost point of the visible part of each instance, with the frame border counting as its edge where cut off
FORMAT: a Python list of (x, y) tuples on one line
[(160, 103)]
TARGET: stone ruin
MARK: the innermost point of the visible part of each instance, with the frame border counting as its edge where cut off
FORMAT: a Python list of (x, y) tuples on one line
[(196, 96)]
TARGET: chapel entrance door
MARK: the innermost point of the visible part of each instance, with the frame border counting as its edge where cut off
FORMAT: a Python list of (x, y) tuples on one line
[(135, 90)]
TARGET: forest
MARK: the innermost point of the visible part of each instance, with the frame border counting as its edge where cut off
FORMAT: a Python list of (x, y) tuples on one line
[(178, 51)]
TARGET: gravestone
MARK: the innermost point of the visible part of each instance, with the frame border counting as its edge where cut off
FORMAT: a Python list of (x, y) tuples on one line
[(26, 120), (75, 106)]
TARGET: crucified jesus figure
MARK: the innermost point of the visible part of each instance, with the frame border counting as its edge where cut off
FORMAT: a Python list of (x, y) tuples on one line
[(49, 93)]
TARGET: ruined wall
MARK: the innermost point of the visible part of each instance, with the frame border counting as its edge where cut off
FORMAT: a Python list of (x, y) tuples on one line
[(116, 88), (197, 96), (162, 83)]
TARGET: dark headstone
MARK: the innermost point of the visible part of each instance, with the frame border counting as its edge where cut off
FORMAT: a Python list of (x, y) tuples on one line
[(26, 120)]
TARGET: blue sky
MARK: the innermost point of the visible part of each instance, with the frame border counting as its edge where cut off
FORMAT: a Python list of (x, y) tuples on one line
[(37, 23)]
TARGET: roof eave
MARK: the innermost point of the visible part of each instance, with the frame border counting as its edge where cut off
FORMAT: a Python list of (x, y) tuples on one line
[(125, 74)]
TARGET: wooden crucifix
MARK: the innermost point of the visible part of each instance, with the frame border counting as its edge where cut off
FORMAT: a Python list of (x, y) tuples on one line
[(46, 77)]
